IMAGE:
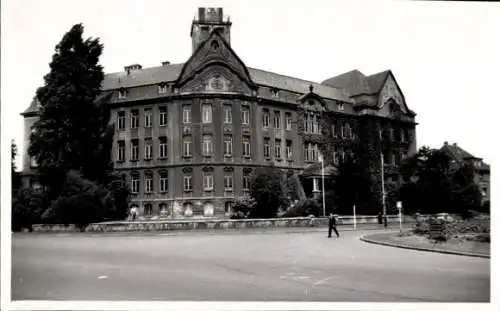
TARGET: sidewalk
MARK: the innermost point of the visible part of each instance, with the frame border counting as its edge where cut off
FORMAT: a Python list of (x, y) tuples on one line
[(414, 242)]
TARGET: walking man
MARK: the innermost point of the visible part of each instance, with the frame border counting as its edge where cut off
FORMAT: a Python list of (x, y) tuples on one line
[(332, 225)]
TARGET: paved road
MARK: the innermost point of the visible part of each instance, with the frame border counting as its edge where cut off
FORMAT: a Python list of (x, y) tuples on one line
[(278, 265)]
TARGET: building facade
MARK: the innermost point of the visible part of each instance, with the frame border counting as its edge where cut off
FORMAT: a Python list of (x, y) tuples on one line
[(460, 157), (188, 136)]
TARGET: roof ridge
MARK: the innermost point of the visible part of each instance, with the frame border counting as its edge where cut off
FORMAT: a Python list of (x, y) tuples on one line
[(303, 80)]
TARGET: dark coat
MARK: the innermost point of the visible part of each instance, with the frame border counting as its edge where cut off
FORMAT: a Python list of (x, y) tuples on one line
[(332, 221)]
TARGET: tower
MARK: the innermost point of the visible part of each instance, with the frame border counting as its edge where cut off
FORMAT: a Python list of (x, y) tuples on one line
[(207, 20)]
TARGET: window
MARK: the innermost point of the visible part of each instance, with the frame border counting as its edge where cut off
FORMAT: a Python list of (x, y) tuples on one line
[(335, 156), (277, 148), (163, 116), (187, 183), (134, 156), (208, 182), (245, 115), (397, 158), (162, 88), (147, 117), (246, 181), (275, 93), (135, 183), (163, 147), (311, 152), (121, 151), (187, 147), (121, 120), (122, 94), (149, 183), (148, 149), (186, 114), (207, 113), (228, 206), (163, 182), (134, 119), (348, 132), (404, 135), (246, 146), (340, 106), (288, 121), (228, 182), (341, 155), (228, 146), (289, 149), (391, 133), (267, 148), (228, 114), (33, 162), (148, 209), (208, 146), (277, 120), (265, 118), (342, 131)]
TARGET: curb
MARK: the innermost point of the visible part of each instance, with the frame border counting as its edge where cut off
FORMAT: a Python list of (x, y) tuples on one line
[(424, 249)]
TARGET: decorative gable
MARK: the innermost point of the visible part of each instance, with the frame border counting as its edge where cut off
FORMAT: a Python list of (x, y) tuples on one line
[(391, 101), (214, 52)]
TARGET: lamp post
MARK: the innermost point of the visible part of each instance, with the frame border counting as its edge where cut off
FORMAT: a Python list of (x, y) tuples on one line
[(384, 212), (323, 182)]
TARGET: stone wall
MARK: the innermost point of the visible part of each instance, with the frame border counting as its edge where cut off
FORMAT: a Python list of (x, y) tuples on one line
[(190, 224)]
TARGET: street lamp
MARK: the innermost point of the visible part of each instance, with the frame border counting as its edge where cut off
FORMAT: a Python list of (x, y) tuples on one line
[(320, 158), (384, 212)]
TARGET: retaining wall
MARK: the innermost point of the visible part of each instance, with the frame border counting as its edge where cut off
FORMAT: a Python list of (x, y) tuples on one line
[(191, 224)]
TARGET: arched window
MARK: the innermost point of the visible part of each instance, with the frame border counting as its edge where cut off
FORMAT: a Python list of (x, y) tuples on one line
[(148, 209), (208, 210), (228, 207), (188, 209)]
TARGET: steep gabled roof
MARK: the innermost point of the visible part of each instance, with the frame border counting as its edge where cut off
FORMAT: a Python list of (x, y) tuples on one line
[(283, 82), (170, 73), (376, 81), (356, 83), (460, 155), (32, 109), (146, 76)]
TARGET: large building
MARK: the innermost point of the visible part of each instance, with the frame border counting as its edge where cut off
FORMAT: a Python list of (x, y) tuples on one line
[(189, 135), (481, 170)]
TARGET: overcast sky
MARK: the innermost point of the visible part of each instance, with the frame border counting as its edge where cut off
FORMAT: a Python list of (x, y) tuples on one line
[(441, 53)]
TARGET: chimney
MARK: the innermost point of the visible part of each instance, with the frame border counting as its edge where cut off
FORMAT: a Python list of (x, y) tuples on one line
[(455, 144), (133, 67), (446, 143), (165, 63)]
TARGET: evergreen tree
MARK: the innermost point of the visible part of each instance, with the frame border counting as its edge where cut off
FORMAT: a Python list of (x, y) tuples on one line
[(68, 132), (73, 134)]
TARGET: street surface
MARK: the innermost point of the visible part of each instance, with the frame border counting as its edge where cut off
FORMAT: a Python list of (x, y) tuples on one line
[(257, 265)]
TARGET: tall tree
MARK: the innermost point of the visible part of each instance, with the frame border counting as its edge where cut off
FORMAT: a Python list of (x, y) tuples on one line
[(15, 175), (432, 185), (68, 132), (73, 134), (269, 192)]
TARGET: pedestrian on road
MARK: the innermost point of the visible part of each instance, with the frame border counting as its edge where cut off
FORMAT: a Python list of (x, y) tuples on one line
[(332, 225)]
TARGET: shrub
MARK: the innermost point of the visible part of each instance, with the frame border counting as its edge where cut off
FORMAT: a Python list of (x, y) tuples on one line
[(27, 205), (242, 207), (305, 208)]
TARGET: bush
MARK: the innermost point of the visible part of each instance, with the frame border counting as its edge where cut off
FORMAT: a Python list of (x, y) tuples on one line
[(242, 207), (81, 202), (305, 208), (27, 205)]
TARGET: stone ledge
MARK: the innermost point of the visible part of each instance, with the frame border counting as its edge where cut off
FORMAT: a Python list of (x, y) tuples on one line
[(370, 239), (216, 224)]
